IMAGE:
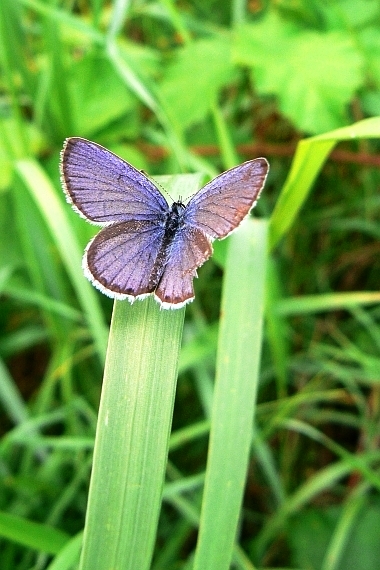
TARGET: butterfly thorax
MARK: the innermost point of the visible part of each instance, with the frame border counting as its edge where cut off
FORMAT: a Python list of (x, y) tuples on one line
[(174, 219)]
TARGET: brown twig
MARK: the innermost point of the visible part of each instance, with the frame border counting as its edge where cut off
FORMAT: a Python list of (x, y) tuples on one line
[(156, 153)]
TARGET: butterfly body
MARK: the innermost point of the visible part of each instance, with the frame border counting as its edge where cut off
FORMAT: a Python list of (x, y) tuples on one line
[(174, 219), (146, 246)]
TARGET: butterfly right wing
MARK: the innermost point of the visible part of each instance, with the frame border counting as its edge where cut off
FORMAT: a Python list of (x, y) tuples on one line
[(126, 260), (219, 207), (214, 211), (103, 188), (189, 249)]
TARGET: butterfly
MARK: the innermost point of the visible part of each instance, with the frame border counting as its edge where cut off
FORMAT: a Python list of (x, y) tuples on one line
[(147, 246)]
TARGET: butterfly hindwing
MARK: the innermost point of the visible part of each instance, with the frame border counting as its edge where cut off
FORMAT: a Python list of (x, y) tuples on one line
[(126, 260), (189, 249)]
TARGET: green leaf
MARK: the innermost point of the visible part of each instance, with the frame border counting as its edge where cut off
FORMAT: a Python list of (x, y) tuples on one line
[(254, 46), (193, 81), (234, 403), (326, 302), (68, 555), (133, 431), (351, 14), (369, 38), (131, 444), (54, 213), (34, 535), (314, 92), (309, 158), (310, 533), (93, 106), (313, 75)]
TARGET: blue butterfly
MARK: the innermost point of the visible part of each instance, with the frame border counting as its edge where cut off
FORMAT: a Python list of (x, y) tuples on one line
[(146, 246)]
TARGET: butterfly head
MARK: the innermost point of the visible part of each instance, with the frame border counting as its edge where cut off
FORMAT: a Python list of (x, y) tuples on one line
[(177, 208), (174, 217)]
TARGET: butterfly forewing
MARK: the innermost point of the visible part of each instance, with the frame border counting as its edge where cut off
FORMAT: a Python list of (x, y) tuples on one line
[(104, 188), (219, 207)]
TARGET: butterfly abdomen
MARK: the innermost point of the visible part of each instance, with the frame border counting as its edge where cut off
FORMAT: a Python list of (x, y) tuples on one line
[(173, 222)]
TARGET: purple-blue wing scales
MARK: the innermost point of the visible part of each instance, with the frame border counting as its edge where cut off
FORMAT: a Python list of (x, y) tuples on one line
[(189, 249), (219, 207), (126, 260), (103, 188)]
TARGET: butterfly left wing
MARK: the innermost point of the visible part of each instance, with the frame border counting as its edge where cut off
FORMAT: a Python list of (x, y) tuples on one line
[(103, 188), (189, 249), (219, 207), (125, 260)]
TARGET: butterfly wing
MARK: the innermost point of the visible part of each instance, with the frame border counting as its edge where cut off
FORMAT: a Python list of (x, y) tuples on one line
[(215, 211), (219, 207), (103, 188), (189, 250), (126, 260)]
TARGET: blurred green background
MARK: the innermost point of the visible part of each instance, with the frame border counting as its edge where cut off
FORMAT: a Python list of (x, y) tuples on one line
[(194, 86)]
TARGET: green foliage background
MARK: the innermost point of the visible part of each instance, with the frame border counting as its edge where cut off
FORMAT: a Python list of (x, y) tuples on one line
[(197, 87)]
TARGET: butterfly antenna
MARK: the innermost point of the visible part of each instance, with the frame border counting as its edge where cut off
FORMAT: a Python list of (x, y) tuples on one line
[(162, 188)]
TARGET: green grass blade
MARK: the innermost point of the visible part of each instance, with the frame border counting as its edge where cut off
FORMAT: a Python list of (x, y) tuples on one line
[(276, 327), (322, 481), (42, 301), (306, 166), (8, 19), (132, 437), (59, 101), (43, 192), (10, 397), (96, 7), (235, 396), (63, 17), (119, 14), (309, 158), (133, 430), (68, 555), (347, 524), (326, 302), (31, 534), (229, 155)]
